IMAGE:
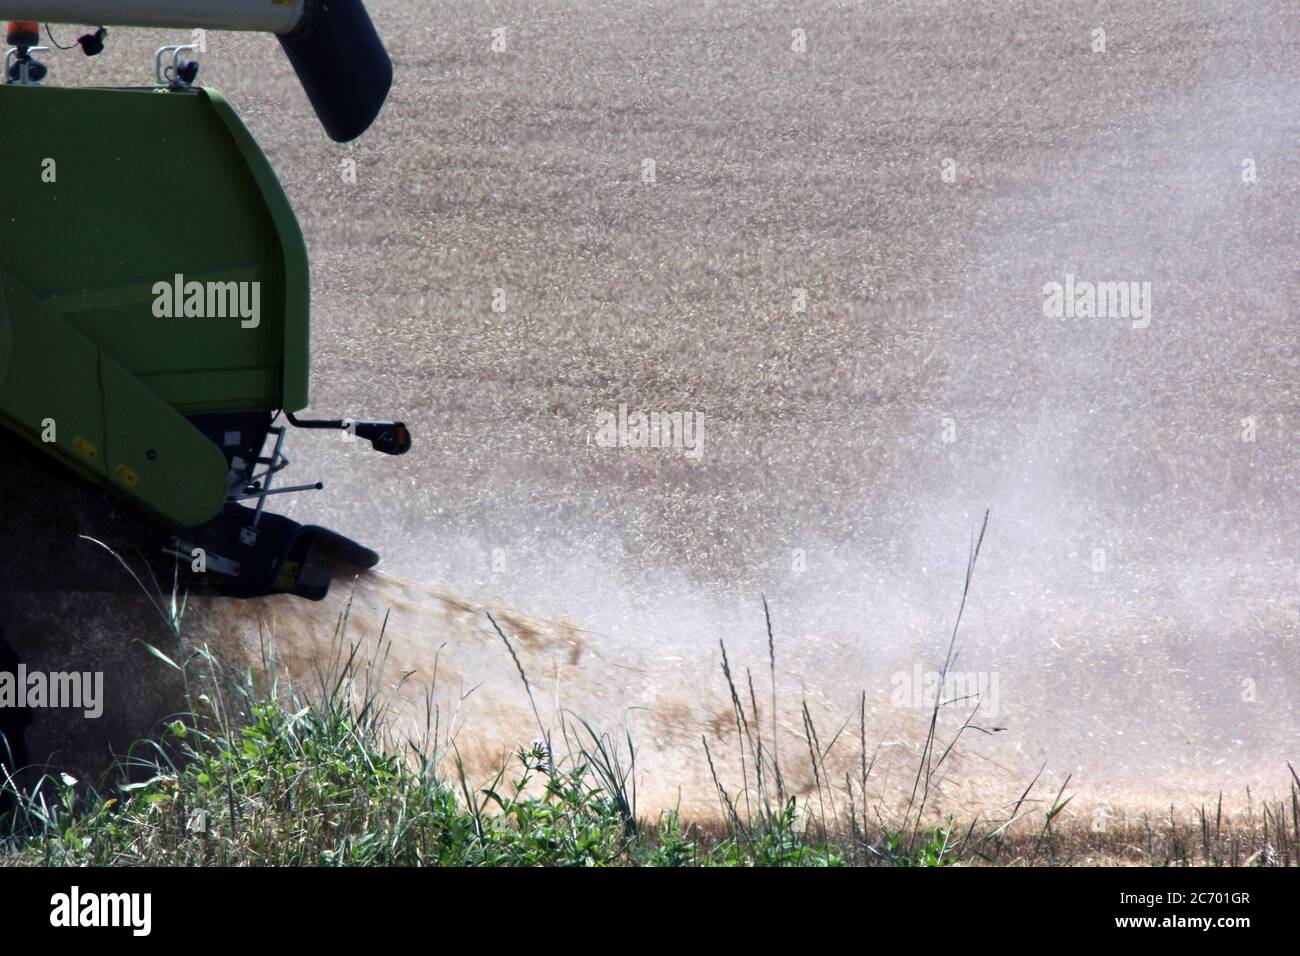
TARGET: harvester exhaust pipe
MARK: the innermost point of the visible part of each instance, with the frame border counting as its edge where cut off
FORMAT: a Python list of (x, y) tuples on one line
[(332, 44)]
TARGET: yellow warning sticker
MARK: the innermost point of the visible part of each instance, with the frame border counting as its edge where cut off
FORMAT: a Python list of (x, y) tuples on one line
[(84, 448), (129, 477)]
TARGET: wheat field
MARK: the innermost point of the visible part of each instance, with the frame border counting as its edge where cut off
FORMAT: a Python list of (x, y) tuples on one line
[(824, 235)]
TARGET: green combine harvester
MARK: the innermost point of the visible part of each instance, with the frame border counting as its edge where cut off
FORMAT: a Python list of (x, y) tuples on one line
[(154, 295)]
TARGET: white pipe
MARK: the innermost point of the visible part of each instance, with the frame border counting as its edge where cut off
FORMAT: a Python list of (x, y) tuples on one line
[(264, 16)]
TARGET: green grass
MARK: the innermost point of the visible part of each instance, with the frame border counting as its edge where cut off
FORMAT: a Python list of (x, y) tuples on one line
[(279, 781), (257, 772)]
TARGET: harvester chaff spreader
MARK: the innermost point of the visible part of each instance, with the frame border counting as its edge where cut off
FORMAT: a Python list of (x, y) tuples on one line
[(160, 362)]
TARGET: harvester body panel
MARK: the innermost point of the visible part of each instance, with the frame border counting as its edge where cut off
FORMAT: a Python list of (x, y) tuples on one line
[(154, 301), (157, 272), (145, 186)]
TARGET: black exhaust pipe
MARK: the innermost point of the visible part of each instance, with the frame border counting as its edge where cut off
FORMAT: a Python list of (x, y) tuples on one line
[(342, 65)]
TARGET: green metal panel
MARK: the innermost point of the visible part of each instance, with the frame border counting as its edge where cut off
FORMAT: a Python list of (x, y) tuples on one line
[(296, 304), (67, 397), (110, 196), (148, 184)]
